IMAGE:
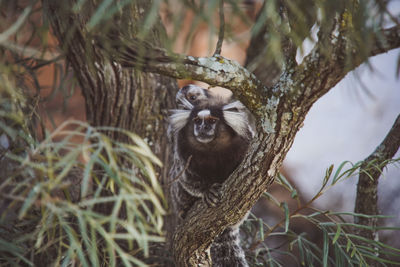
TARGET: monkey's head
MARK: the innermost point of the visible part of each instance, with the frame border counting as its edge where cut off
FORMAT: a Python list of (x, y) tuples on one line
[(191, 95), (212, 127)]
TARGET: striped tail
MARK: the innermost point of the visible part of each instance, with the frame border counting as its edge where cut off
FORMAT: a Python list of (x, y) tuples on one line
[(226, 250)]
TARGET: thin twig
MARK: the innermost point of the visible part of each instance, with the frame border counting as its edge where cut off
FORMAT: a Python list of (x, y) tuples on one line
[(221, 29)]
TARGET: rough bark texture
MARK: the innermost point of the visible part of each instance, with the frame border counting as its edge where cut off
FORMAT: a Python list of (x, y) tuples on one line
[(370, 171), (114, 96)]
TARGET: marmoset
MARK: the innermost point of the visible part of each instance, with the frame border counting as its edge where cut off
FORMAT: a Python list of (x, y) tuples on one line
[(211, 136)]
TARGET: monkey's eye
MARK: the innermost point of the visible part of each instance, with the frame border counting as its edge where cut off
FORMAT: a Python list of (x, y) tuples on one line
[(212, 120), (197, 120), (192, 97)]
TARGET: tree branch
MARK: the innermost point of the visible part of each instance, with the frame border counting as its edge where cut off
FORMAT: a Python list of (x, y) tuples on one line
[(389, 39), (215, 70), (370, 171), (320, 71)]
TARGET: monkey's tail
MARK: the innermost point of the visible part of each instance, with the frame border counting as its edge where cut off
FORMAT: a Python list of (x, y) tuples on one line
[(226, 250)]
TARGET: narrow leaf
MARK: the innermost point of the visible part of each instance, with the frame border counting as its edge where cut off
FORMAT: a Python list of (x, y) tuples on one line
[(325, 249), (335, 238), (287, 216)]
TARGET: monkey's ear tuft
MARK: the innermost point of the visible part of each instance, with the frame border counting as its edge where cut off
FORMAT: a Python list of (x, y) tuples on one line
[(234, 106), (178, 119), (237, 121), (183, 102), (236, 116)]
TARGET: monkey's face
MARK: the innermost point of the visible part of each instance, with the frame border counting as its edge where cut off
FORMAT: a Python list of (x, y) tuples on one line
[(196, 96), (191, 95), (205, 126)]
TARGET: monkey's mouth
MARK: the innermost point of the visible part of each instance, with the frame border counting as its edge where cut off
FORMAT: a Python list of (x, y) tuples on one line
[(204, 138)]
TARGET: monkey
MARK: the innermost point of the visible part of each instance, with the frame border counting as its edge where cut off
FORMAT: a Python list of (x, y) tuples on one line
[(211, 138), (192, 95)]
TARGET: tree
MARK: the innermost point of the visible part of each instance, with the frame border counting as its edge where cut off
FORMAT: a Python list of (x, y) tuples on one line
[(119, 52)]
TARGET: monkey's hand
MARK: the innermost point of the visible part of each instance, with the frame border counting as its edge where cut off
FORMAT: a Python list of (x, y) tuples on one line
[(213, 195)]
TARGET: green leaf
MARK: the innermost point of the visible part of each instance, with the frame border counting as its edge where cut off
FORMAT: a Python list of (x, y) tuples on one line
[(348, 246), (29, 201), (328, 174), (88, 170), (99, 14), (337, 175), (337, 235), (325, 248), (10, 247), (287, 216), (261, 228), (353, 251)]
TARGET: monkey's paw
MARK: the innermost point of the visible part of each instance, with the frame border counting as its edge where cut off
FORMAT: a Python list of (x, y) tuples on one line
[(213, 195)]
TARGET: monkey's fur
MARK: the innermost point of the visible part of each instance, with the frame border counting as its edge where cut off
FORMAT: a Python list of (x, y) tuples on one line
[(211, 137)]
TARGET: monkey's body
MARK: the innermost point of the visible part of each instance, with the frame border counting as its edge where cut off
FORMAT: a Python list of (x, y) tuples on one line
[(211, 139), (210, 164)]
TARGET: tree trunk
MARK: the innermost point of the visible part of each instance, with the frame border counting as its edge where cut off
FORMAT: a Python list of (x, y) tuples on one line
[(117, 96), (114, 96)]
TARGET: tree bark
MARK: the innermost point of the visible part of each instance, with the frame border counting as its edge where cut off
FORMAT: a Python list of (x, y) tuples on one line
[(367, 187), (115, 96)]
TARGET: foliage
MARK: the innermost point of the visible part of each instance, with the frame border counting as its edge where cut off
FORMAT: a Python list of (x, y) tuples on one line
[(297, 21), (339, 245), (52, 194)]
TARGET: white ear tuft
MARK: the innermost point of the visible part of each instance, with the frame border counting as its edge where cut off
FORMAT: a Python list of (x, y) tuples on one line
[(178, 119), (183, 102), (237, 121), (237, 117), (234, 105)]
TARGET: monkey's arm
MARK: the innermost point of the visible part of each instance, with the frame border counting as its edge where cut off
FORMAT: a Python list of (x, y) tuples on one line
[(210, 194), (185, 193)]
